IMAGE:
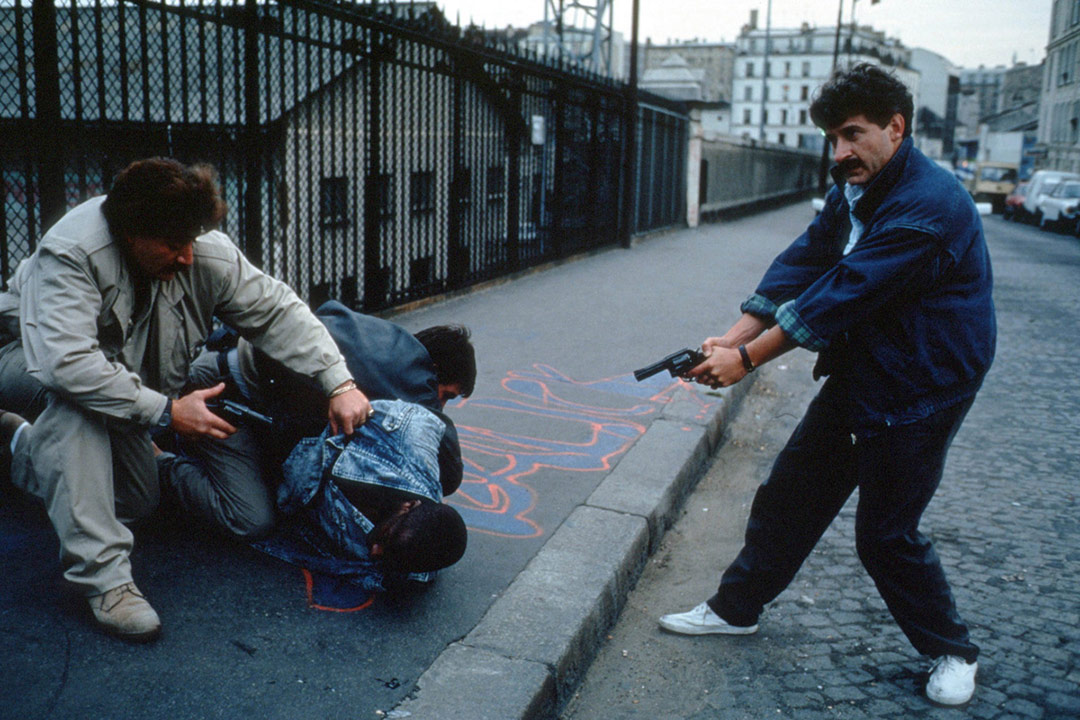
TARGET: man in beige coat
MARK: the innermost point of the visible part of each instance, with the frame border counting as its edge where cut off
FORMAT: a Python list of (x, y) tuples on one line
[(111, 308)]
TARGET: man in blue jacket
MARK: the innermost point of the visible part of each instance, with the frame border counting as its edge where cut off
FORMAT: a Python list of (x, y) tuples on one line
[(891, 286)]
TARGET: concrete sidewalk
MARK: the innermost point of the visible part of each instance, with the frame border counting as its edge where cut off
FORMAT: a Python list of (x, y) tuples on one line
[(573, 471), (531, 648)]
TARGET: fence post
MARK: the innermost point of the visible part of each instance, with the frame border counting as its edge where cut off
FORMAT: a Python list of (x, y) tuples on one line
[(375, 284), (253, 239), (514, 180), (457, 258), (630, 159), (51, 190)]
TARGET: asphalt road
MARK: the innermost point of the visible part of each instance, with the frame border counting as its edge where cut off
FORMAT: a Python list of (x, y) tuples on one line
[(1005, 522)]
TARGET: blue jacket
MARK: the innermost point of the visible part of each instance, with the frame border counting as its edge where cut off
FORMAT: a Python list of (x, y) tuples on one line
[(904, 323), (397, 448)]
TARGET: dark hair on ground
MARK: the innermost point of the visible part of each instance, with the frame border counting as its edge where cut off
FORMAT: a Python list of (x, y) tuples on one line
[(452, 353), (163, 198), (429, 537), (863, 90)]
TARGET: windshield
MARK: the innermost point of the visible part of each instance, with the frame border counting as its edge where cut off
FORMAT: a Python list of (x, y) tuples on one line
[(1068, 190), (998, 174)]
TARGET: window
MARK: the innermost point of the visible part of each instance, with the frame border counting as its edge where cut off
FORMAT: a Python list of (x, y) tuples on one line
[(804, 92), (463, 186), (496, 186), (1066, 61), (781, 138), (802, 117), (746, 120), (334, 201), (806, 68), (784, 93), (764, 117), (748, 92), (787, 69), (749, 69), (422, 191), (382, 185), (1075, 17), (783, 117)]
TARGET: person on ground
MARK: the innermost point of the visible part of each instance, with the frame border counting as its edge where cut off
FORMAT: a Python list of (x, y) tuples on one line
[(891, 286), (232, 483), (107, 314)]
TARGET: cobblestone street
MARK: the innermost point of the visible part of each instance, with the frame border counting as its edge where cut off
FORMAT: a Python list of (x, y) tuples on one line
[(1004, 521)]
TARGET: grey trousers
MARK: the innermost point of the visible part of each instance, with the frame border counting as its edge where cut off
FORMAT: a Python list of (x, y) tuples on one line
[(223, 482), (94, 473)]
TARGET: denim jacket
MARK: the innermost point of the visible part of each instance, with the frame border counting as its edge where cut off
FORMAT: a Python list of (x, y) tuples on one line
[(397, 448), (904, 323)]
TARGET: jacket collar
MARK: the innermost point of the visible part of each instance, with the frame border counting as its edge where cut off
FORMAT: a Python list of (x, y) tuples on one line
[(882, 183)]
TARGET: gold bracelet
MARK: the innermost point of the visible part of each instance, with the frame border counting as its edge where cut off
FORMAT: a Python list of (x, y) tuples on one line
[(342, 389)]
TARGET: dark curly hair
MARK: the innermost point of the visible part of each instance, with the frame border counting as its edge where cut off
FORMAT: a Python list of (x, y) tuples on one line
[(431, 536), (863, 90), (452, 353), (163, 198)]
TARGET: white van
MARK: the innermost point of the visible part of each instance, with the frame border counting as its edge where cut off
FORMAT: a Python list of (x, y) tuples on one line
[(1041, 183)]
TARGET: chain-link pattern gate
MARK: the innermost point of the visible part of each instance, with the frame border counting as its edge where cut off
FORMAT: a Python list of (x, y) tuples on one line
[(368, 152)]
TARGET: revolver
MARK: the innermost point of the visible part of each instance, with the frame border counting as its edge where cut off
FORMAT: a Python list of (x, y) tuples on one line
[(676, 363), (238, 413)]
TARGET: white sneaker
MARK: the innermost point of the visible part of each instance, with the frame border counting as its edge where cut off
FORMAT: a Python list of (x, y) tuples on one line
[(702, 621), (952, 680)]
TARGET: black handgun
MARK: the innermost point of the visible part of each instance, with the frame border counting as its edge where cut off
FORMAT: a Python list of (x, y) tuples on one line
[(237, 413), (676, 363)]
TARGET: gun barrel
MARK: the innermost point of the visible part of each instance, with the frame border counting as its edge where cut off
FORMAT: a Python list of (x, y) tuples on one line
[(676, 363), (649, 371)]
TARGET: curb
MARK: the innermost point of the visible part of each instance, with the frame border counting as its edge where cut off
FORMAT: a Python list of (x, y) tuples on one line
[(531, 649)]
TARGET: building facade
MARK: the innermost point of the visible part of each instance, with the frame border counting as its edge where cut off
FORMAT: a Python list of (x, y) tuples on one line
[(778, 70), (713, 62), (1059, 110)]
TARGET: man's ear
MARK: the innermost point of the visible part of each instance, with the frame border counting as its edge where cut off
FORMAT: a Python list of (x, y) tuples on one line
[(376, 550), (896, 127)]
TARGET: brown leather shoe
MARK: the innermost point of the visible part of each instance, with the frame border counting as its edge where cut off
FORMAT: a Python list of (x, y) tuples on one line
[(124, 612)]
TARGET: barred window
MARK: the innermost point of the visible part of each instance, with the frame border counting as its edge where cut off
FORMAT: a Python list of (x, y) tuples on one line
[(382, 185), (496, 183), (422, 191), (334, 201)]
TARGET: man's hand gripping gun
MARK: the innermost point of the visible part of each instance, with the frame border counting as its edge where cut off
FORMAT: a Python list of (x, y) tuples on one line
[(677, 363), (237, 413)]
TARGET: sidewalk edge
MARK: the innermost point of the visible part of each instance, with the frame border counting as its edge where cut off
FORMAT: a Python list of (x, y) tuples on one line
[(532, 647)]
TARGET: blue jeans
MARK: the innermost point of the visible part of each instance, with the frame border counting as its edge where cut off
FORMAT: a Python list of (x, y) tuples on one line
[(897, 471)]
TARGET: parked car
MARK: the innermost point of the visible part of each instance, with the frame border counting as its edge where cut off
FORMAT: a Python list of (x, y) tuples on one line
[(1060, 206), (992, 182), (1041, 183), (1014, 200)]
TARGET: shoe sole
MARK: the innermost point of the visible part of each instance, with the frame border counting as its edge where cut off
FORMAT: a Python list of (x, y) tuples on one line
[(732, 630), (142, 637)]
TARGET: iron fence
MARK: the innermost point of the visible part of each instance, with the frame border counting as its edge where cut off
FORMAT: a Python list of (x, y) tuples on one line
[(368, 151)]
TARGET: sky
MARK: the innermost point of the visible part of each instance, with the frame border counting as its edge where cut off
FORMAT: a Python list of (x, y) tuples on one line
[(968, 33)]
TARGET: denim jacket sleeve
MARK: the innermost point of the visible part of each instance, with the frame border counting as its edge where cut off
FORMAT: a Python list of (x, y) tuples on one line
[(809, 257), (886, 263)]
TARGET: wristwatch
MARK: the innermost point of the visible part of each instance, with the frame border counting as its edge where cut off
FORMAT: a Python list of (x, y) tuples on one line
[(166, 417), (746, 361)]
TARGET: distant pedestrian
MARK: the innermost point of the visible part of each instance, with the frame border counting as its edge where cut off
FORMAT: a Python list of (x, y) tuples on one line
[(891, 286)]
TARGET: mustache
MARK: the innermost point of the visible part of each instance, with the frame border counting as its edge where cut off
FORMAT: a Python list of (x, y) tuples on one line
[(850, 165)]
